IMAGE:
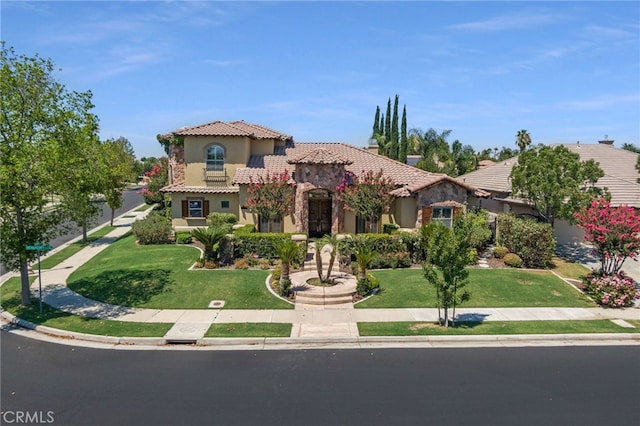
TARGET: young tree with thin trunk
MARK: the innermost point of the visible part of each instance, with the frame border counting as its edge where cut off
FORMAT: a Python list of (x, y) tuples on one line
[(447, 251)]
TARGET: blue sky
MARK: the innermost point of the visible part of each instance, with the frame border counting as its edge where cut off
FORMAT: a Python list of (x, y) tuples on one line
[(564, 71)]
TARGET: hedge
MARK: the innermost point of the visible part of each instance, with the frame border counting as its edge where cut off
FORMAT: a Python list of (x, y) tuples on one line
[(532, 241)]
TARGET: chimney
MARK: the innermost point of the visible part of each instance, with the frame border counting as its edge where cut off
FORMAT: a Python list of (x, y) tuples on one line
[(606, 140)]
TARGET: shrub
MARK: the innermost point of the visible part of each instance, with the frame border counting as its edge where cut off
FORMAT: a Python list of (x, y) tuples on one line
[(183, 237), (284, 288), (153, 229), (390, 260), (512, 260), (612, 291), (241, 264), (391, 248), (245, 229), (276, 274), (532, 241), (413, 244), (389, 228), (480, 233), (218, 220), (367, 285), (262, 245), (500, 251), (473, 256), (210, 264)]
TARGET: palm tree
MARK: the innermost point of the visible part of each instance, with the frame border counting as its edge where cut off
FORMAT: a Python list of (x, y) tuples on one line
[(287, 251), (331, 241), (364, 256), (523, 139), (208, 237)]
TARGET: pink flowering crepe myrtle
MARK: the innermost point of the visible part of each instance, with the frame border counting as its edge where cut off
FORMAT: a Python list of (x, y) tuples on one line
[(614, 231), (272, 196)]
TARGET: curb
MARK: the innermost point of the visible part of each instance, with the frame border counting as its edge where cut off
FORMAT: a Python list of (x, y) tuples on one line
[(288, 343)]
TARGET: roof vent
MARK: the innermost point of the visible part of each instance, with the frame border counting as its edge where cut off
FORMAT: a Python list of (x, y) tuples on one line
[(606, 140)]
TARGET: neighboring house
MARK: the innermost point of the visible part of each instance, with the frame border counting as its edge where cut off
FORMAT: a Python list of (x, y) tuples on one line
[(213, 167), (620, 178)]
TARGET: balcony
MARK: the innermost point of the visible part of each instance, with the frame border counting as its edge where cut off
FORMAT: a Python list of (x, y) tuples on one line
[(215, 176)]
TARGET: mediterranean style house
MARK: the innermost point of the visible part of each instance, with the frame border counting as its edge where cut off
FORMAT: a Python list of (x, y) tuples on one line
[(211, 166), (620, 179)]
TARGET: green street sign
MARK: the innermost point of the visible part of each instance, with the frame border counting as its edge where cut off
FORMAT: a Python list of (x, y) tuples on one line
[(38, 247)]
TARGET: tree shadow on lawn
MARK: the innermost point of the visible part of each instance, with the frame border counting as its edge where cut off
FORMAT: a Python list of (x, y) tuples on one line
[(126, 287)]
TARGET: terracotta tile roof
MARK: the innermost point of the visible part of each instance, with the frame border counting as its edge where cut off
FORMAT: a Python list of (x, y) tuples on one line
[(362, 160), (319, 156), (618, 166), (181, 188), (234, 128)]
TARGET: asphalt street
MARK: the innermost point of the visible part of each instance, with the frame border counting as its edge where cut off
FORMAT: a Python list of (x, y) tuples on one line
[(480, 386), (130, 199)]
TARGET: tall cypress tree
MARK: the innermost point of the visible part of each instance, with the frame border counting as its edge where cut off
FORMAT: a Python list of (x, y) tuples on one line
[(393, 146), (376, 123), (387, 122), (404, 141)]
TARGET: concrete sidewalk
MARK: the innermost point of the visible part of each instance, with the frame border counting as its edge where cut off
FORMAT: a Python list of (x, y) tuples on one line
[(190, 325)]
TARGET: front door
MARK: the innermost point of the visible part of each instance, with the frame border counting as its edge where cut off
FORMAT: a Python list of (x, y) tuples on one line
[(319, 214)]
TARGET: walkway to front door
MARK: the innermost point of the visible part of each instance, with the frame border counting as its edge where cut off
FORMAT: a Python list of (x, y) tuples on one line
[(311, 298)]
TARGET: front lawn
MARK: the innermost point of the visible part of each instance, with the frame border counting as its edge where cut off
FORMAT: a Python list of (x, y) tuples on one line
[(51, 317), (490, 288), (157, 276), (490, 327)]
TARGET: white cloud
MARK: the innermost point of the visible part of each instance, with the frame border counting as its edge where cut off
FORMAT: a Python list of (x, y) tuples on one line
[(508, 22)]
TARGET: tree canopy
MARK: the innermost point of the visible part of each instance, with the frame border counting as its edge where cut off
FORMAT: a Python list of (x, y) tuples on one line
[(555, 181), (39, 121)]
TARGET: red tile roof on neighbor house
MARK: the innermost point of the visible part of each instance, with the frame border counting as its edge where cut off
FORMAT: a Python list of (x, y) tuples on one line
[(356, 160), (234, 128)]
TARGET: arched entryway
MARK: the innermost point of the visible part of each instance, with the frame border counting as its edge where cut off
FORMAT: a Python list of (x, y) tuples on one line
[(319, 208)]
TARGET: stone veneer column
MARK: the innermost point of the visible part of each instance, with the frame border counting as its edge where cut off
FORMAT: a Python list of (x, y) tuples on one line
[(317, 176), (176, 164)]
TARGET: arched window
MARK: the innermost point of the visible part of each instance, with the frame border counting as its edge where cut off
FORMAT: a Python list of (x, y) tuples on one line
[(215, 158)]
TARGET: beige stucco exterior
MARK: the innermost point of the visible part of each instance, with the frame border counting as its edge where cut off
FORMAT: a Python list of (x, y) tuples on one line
[(188, 165)]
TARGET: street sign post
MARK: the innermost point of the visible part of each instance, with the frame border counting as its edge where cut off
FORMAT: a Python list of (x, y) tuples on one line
[(39, 248)]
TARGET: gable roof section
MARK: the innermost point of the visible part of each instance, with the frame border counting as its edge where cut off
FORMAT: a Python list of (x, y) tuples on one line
[(319, 156), (617, 164), (234, 128)]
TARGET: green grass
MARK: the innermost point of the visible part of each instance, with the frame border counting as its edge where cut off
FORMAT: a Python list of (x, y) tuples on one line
[(567, 269), (51, 317), (490, 288), (157, 276), (144, 208), (58, 257), (249, 330), (491, 327)]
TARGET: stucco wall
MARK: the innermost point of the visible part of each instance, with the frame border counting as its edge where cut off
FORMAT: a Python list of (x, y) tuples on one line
[(214, 206), (236, 151)]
